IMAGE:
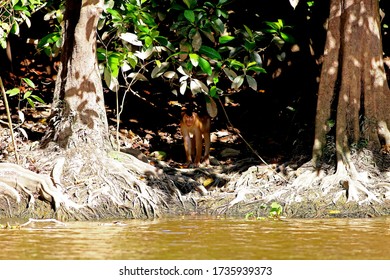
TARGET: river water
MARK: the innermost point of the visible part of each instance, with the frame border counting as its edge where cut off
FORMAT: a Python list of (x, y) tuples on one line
[(200, 238)]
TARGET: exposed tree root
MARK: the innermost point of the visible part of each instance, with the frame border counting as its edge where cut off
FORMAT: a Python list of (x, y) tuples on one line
[(116, 181), (15, 179), (83, 184), (307, 191)]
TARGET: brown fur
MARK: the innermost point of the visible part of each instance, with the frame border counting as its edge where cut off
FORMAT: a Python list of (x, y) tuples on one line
[(194, 128)]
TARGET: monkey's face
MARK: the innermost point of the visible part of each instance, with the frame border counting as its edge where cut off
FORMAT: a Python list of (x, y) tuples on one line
[(189, 120)]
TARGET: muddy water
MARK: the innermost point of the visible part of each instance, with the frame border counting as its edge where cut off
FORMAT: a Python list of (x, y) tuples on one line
[(201, 238)]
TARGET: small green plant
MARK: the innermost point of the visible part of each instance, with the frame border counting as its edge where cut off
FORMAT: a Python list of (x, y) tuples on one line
[(250, 216), (24, 92), (276, 211)]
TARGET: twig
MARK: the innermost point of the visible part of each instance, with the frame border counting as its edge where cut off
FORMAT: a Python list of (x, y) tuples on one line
[(246, 142), (9, 121)]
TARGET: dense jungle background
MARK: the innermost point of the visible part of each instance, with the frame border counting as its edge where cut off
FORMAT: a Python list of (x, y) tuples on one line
[(265, 89)]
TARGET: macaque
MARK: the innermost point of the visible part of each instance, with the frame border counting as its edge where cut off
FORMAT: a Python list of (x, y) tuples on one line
[(193, 128)]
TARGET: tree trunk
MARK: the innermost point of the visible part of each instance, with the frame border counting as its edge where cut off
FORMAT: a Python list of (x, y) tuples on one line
[(78, 114), (353, 94), (353, 79), (77, 146)]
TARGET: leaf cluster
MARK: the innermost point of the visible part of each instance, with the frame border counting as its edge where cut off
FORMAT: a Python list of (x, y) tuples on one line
[(190, 44), (13, 13)]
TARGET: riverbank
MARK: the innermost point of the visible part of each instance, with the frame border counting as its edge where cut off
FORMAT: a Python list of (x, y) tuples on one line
[(242, 189)]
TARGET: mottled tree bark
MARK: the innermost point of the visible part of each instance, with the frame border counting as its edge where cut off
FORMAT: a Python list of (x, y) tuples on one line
[(78, 112), (352, 80)]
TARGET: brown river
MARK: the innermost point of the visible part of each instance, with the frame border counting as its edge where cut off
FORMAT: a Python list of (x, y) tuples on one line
[(200, 238)]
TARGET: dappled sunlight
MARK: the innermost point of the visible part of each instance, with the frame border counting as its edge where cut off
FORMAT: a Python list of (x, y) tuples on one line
[(378, 72), (332, 44), (373, 27), (333, 69)]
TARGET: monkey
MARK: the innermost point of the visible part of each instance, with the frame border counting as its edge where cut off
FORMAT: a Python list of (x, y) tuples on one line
[(193, 128)]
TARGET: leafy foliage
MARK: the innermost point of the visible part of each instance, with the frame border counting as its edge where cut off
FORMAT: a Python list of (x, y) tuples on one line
[(25, 92), (13, 13), (189, 44)]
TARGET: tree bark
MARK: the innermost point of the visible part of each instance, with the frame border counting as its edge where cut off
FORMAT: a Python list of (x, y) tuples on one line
[(102, 182), (78, 112), (353, 78)]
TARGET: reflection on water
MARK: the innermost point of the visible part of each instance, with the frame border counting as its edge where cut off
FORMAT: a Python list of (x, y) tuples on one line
[(202, 238)]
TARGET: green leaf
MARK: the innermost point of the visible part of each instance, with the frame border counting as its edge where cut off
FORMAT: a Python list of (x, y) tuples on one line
[(276, 209), (230, 74), (27, 94), (222, 13), (132, 60), (29, 100), (205, 66), (190, 3), (249, 45), (250, 33), (144, 29), (15, 28), (257, 69), (210, 52), (28, 82), (3, 43), (37, 98), (13, 92), (194, 59), (113, 64), (218, 25), (163, 41), (209, 4), (221, 2), (213, 91), (159, 70), (237, 82), (331, 123), (225, 39), (310, 3), (189, 15), (286, 37), (48, 39), (251, 82), (148, 41), (236, 64), (111, 82), (275, 26), (256, 57), (116, 16), (19, 8), (177, 7)]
